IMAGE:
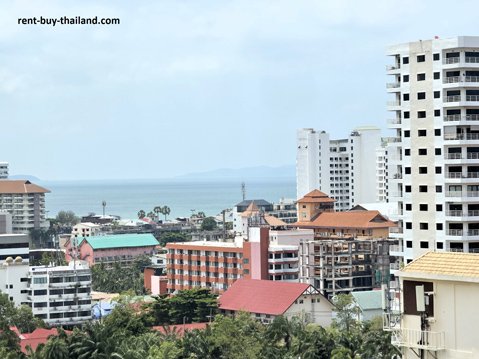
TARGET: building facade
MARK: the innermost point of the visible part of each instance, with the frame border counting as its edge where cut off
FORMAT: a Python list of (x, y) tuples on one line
[(434, 158), (343, 168), (3, 170), (25, 201), (437, 307)]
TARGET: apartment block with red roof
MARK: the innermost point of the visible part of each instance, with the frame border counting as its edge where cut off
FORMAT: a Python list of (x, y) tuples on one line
[(266, 299), (350, 250)]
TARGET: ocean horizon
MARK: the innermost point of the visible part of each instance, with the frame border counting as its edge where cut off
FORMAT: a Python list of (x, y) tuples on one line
[(125, 198)]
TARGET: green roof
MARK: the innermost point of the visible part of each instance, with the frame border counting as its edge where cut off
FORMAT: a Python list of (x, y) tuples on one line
[(368, 300), (122, 241)]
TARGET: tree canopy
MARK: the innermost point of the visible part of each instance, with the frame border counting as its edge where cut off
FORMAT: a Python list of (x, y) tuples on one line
[(208, 224)]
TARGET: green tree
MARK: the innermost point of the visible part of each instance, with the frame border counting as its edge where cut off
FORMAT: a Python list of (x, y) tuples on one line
[(141, 214), (208, 224), (25, 321), (157, 210), (165, 210), (67, 218), (55, 348), (346, 311), (169, 237)]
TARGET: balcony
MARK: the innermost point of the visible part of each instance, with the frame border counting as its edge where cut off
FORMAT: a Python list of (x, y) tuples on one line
[(461, 136), (472, 60), (392, 67), (419, 339), (394, 121), (451, 60), (396, 250), (393, 105), (455, 98), (472, 98)]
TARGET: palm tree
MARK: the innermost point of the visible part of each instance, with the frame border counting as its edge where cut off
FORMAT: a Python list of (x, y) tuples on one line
[(151, 215), (166, 211), (157, 211), (141, 214), (55, 348)]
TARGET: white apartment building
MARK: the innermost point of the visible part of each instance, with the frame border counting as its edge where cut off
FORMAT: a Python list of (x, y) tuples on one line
[(61, 295), (25, 201), (343, 168), (381, 173), (434, 158), (3, 170)]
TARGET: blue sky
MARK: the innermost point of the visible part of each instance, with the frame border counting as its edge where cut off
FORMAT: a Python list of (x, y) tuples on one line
[(185, 86)]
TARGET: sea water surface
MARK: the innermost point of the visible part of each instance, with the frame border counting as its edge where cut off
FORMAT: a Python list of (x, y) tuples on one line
[(125, 198)]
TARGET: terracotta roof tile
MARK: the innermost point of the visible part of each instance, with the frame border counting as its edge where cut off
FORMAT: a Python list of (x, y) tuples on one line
[(446, 263), (274, 222), (316, 196), (261, 296), (349, 219), (252, 209), (20, 186)]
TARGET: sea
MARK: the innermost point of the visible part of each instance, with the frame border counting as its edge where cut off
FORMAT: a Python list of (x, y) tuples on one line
[(125, 198)]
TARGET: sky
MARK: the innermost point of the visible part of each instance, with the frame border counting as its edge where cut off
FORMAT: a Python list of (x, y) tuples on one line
[(187, 86)]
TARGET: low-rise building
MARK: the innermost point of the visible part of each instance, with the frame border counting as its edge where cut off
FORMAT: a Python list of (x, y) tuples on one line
[(86, 229), (61, 295), (14, 245), (119, 248), (3, 170), (266, 299), (369, 304), (438, 307)]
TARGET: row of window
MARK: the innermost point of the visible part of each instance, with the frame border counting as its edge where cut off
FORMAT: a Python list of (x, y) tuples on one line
[(421, 95), (421, 58), (424, 245), (422, 133), (422, 170)]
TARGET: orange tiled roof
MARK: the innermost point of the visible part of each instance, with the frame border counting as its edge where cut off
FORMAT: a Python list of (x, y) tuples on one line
[(446, 263), (349, 219), (20, 186), (274, 222), (252, 209), (316, 196)]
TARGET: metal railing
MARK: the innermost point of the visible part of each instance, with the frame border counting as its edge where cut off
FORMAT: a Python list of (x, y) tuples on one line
[(456, 117), (451, 60), (395, 230), (396, 248), (472, 97), (453, 156), (451, 79), (392, 67), (420, 339), (393, 85), (394, 121), (471, 78), (462, 136), (472, 59), (460, 213), (393, 103), (455, 98)]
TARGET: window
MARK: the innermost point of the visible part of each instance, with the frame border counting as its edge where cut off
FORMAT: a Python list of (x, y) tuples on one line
[(421, 77), (408, 244), (423, 226), (407, 133), (422, 151), (407, 152), (438, 189), (421, 95), (421, 58), (440, 245), (422, 170), (435, 57), (405, 78), (405, 97), (421, 114), (439, 226), (439, 207), (437, 75), (437, 113), (39, 280), (245, 260), (423, 189), (405, 60), (408, 225), (421, 133), (424, 244), (437, 94), (437, 151), (408, 206), (407, 170), (422, 207), (40, 292), (437, 132), (438, 170), (407, 189)]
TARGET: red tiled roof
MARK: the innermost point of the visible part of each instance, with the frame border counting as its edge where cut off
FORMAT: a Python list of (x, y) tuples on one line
[(252, 209), (20, 186), (273, 221), (35, 338), (315, 196), (261, 296), (180, 329), (349, 219)]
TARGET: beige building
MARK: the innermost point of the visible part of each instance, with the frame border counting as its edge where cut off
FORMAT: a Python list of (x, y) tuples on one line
[(438, 317)]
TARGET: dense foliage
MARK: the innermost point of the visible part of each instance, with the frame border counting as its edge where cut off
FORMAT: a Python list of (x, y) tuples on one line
[(119, 279), (208, 224), (168, 237)]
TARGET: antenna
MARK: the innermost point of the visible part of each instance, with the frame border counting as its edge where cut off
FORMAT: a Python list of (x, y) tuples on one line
[(243, 190)]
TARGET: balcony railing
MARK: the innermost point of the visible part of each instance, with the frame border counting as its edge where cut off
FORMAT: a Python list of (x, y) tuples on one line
[(393, 103), (451, 60), (462, 136), (419, 339), (471, 78), (455, 98), (453, 156), (472, 60), (462, 194), (462, 232), (395, 230), (393, 85), (394, 121), (396, 248), (392, 67), (472, 98)]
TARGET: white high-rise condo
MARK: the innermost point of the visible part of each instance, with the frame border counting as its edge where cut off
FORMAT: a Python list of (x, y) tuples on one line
[(434, 158), (3, 170), (345, 168)]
